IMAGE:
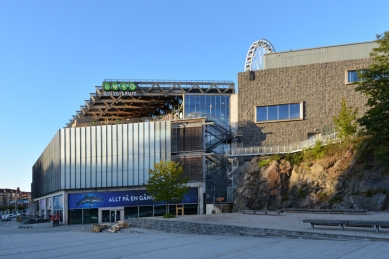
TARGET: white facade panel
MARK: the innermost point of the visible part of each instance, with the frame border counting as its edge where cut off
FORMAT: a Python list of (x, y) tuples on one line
[(108, 156), (77, 140), (319, 55), (88, 179)]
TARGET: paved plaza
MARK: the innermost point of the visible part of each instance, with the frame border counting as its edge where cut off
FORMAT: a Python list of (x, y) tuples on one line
[(70, 241)]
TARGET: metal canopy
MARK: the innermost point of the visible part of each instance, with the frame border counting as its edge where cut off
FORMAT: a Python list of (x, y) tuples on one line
[(147, 100)]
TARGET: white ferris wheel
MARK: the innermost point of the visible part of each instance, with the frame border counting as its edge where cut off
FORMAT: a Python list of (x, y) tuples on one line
[(255, 55)]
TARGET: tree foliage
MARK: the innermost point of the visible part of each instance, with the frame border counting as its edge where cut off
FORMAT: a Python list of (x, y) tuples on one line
[(374, 84), (167, 182), (345, 123)]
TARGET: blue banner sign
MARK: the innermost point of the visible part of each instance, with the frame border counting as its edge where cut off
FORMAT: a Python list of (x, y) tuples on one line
[(58, 202), (120, 199)]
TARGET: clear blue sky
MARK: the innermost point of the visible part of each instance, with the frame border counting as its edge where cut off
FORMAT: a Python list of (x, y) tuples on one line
[(54, 53)]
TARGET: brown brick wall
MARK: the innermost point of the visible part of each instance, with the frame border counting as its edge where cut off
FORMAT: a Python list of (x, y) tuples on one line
[(319, 86)]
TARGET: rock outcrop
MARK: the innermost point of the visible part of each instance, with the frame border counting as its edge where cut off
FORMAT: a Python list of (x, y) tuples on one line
[(337, 181)]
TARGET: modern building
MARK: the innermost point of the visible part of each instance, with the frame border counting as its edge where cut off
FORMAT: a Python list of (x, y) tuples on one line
[(95, 169), (298, 92)]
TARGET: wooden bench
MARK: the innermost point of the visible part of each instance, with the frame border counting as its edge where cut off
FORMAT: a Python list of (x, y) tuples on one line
[(328, 211), (98, 227), (266, 212), (348, 223)]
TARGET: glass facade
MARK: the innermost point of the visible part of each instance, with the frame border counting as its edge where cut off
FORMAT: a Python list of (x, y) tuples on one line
[(83, 216), (217, 106), (157, 210), (280, 112)]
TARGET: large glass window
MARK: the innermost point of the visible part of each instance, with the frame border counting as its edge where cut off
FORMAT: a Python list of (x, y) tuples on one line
[(105, 216), (90, 216), (352, 75), (130, 212), (75, 216), (146, 211), (159, 210), (190, 209), (278, 112), (216, 105)]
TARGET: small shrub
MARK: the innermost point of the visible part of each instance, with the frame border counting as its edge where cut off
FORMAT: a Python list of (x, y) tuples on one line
[(263, 163), (295, 158), (322, 195), (318, 150), (301, 193), (336, 199), (285, 197), (167, 216)]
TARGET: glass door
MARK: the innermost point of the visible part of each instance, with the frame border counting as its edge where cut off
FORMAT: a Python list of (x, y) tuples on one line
[(115, 216)]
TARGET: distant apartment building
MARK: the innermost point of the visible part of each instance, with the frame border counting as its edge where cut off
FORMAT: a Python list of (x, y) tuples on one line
[(8, 198)]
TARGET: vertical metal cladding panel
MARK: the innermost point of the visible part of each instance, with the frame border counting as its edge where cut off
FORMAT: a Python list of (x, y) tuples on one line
[(124, 151), (68, 167), (82, 157), (93, 166), (163, 140), (130, 156), (143, 133), (88, 141), (72, 158), (109, 155), (319, 55), (98, 156), (136, 154), (119, 154), (77, 158), (104, 156), (62, 157), (168, 140), (114, 157), (152, 155), (157, 146), (57, 161)]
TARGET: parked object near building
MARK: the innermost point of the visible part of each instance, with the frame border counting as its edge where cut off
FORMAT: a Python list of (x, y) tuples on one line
[(5, 217)]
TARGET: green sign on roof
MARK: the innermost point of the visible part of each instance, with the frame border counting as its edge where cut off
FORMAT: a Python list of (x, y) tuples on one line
[(119, 86)]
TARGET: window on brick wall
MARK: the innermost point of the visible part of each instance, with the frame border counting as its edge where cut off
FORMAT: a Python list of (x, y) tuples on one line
[(280, 112), (352, 76)]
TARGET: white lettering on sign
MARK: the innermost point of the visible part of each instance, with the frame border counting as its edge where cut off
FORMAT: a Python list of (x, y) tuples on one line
[(143, 197), (111, 93)]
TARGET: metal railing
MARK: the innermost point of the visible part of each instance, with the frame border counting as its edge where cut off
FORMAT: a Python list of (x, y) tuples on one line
[(282, 149)]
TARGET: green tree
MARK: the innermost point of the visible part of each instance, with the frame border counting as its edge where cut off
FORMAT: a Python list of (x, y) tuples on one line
[(167, 182), (374, 84), (345, 123)]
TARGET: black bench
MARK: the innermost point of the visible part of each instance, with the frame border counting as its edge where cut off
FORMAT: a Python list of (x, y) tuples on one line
[(348, 223), (328, 211), (266, 212)]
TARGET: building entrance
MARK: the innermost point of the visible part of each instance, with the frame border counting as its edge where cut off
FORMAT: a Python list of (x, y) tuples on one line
[(112, 215), (115, 216)]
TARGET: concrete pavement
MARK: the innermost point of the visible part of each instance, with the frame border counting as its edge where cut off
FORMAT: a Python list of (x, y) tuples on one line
[(75, 241)]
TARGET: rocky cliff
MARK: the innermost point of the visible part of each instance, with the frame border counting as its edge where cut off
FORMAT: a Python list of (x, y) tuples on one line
[(340, 180)]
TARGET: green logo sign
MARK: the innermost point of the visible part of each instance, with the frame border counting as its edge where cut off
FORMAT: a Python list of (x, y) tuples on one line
[(106, 86), (119, 86), (115, 86), (124, 86), (132, 87)]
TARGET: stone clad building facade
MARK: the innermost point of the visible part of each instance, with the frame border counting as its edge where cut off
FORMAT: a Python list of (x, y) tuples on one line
[(298, 93)]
